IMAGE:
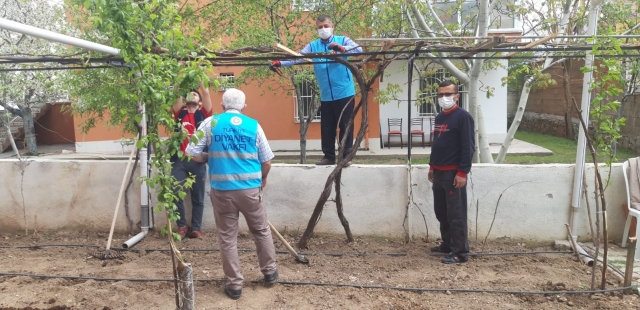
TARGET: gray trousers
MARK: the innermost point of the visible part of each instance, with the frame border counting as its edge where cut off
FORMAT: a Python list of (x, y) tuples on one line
[(226, 208), (181, 169)]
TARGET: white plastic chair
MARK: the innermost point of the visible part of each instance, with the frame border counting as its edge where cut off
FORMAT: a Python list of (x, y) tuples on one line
[(632, 213)]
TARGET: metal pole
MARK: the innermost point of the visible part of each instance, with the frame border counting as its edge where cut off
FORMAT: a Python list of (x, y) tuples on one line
[(586, 105), (409, 169), (622, 36), (56, 37)]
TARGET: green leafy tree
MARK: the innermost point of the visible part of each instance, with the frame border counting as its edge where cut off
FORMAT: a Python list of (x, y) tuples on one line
[(29, 87), (164, 51)]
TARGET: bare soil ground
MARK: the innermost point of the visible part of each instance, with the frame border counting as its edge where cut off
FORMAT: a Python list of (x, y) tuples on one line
[(416, 269)]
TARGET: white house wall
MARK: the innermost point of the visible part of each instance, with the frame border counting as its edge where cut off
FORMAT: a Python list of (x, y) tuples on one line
[(494, 108)]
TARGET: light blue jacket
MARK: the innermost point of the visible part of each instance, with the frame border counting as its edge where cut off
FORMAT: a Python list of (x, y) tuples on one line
[(335, 80)]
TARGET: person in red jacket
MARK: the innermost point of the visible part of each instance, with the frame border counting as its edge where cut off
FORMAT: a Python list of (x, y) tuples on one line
[(188, 117), (449, 163)]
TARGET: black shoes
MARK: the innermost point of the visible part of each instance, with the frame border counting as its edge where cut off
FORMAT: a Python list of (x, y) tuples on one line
[(454, 259), (233, 294), (440, 249), (325, 162), (271, 278)]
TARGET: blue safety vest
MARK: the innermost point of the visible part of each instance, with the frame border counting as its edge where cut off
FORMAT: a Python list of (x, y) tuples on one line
[(233, 153), (334, 80)]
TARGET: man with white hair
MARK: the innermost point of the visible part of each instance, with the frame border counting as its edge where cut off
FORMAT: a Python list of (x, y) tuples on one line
[(239, 159)]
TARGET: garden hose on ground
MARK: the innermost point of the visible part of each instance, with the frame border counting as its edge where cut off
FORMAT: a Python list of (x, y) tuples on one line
[(409, 289), (39, 246)]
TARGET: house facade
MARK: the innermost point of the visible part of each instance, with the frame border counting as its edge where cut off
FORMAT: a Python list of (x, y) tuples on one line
[(274, 108), (424, 106)]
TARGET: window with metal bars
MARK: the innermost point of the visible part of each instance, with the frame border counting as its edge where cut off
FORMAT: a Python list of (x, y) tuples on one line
[(308, 94), (428, 98), (226, 81)]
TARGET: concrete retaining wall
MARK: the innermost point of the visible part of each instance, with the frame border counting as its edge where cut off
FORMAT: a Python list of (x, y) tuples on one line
[(534, 204)]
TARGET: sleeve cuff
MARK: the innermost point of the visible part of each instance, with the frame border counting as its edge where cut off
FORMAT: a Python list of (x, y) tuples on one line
[(461, 174)]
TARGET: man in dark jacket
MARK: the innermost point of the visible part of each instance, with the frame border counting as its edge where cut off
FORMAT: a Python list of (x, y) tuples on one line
[(449, 164)]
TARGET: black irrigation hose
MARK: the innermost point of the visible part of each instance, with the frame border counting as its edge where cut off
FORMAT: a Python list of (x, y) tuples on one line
[(38, 246), (613, 268), (410, 289)]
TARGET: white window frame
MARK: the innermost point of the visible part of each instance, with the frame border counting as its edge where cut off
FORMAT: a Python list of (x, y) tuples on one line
[(296, 115), (226, 81)]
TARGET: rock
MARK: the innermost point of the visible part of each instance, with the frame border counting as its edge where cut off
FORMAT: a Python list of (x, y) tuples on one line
[(562, 245), (562, 299), (448, 292), (142, 253), (104, 263), (570, 304), (51, 300)]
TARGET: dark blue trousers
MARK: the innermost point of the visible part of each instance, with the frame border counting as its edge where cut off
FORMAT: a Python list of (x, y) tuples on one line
[(181, 169), (330, 114), (450, 206)]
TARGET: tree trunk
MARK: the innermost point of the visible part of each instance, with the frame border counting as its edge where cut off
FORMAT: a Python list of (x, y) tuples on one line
[(484, 152), (187, 294), (364, 90), (303, 128), (303, 147), (568, 124), (522, 104), (4, 122), (524, 96), (341, 216), (29, 131), (482, 143)]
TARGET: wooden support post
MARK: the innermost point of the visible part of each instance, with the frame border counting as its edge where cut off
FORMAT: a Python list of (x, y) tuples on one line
[(534, 44), (187, 293), (483, 46), (628, 270), (289, 51)]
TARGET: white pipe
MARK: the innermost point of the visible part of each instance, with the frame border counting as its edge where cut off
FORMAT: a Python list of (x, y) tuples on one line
[(56, 37), (131, 242), (584, 257), (146, 212), (586, 104)]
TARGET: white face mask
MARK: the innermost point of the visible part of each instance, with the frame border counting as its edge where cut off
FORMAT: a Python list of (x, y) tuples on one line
[(446, 102), (325, 33)]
